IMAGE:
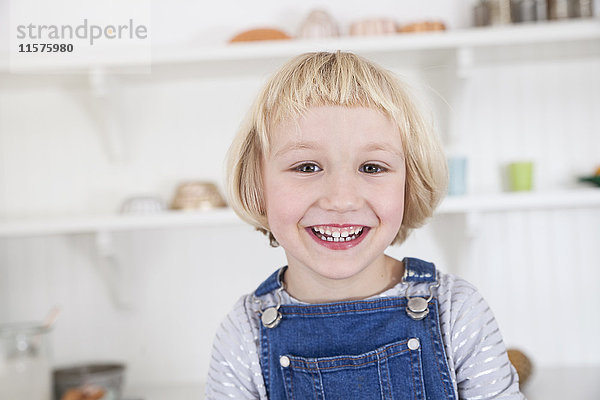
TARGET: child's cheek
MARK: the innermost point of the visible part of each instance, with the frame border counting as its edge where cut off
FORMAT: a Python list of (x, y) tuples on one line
[(283, 205), (390, 203)]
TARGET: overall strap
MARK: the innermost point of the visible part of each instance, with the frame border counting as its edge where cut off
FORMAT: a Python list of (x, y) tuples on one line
[(272, 283), (417, 270)]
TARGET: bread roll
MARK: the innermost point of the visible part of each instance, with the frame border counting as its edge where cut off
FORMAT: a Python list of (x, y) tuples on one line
[(259, 34), (425, 26)]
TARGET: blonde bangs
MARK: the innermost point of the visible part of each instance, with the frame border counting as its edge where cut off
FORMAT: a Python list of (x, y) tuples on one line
[(326, 79)]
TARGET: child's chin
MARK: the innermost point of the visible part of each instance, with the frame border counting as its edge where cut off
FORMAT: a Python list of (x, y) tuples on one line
[(340, 273)]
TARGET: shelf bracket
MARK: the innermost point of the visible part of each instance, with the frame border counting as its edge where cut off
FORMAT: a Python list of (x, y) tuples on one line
[(102, 90), (456, 131), (115, 276), (465, 59)]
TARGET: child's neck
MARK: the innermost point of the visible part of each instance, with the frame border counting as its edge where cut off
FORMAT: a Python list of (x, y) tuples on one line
[(313, 288)]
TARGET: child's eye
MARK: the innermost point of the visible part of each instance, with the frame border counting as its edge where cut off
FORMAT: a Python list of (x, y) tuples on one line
[(307, 168), (371, 169)]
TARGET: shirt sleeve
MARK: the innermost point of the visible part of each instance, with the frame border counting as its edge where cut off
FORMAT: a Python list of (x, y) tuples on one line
[(483, 370), (232, 370)]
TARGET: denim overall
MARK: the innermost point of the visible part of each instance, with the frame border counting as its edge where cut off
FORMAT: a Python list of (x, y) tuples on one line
[(366, 349)]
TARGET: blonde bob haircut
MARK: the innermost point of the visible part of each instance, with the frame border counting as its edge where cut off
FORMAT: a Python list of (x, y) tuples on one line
[(335, 79)]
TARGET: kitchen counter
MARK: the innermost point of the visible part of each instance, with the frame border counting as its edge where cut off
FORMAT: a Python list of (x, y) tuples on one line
[(577, 383), (182, 391)]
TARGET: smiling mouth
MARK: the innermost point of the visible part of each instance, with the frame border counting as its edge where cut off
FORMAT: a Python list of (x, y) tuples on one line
[(337, 234)]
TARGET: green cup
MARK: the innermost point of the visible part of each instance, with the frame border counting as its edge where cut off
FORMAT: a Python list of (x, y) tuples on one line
[(520, 176)]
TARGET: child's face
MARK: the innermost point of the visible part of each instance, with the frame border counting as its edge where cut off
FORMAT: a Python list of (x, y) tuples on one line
[(341, 171)]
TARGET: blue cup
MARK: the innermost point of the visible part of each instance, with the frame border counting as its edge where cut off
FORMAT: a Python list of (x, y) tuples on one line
[(457, 183)]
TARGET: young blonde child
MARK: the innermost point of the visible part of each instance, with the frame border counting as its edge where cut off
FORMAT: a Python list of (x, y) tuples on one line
[(334, 164)]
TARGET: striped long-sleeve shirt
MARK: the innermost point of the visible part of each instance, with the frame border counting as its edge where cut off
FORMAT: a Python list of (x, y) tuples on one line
[(477, 357)]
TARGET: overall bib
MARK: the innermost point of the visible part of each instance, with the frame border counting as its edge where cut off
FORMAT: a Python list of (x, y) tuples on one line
[(382, 348)]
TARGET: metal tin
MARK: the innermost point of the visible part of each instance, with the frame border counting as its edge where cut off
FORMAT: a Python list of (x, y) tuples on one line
[(481, 13), (103, 378), (524, 10), (558, 9), (582, 9)]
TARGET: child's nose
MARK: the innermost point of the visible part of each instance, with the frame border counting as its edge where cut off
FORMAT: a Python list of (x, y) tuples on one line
[(341, 194)]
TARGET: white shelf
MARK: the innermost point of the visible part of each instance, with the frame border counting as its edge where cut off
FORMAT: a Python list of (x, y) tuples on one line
[(579, 198), (549, 32), (519, 201), (115, 223), (553, 33)]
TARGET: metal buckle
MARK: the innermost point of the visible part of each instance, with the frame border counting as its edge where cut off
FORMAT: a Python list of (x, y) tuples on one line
[(271, 317), (418, 307)]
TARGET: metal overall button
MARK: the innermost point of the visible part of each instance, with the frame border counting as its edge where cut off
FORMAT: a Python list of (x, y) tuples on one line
[(413, 344), (417, 316), (417, 307), (417, 304), (271, 317), (284, 361)]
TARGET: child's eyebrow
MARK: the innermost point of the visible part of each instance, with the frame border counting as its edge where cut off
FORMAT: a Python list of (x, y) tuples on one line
[(375, 146), (387, 147), (296, 146)]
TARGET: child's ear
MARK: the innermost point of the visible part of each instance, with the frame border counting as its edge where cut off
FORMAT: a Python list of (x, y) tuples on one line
[(272, 241)]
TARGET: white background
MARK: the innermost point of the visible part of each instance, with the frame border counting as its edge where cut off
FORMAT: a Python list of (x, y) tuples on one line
[(537, 269)]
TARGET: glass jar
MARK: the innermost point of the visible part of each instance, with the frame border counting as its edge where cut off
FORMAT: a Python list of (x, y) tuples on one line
[(500, 12), (25, 368)]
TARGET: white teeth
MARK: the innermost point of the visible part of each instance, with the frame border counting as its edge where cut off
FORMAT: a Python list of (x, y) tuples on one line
[(337, 234)]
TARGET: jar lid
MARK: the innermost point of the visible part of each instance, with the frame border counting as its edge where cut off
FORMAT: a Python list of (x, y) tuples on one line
[(23, 328)]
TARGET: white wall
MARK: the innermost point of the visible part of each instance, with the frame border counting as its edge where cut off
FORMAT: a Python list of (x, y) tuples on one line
[(531, 266)]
